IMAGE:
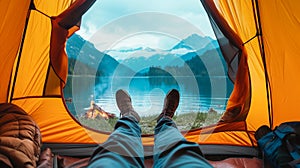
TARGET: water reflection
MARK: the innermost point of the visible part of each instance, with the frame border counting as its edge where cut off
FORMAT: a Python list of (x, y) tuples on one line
[(197, 93)]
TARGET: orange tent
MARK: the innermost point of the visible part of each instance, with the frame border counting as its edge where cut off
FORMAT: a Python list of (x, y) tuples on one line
[(258, 38)]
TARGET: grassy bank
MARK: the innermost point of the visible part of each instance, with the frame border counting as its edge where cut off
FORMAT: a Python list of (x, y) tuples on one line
[(186, 121)]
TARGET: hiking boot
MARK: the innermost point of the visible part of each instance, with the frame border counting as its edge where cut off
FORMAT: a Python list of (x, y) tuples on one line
[(170, 104), (124, 104)]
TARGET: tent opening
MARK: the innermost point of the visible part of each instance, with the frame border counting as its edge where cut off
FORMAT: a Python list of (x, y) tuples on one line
[(147, 51)]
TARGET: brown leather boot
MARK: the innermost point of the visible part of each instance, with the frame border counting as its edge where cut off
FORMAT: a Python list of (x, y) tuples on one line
[(125, 106), (171, 103)]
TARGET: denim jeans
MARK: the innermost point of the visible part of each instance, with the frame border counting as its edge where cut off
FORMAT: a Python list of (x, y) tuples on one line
[(124, 147)]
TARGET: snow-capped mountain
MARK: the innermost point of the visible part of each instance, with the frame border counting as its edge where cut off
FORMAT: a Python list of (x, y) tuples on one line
[(143, 57), (147, 61), (193, 42), (156, 60), (127, 53)]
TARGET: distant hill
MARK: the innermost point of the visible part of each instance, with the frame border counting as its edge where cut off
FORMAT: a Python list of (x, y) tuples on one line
[(140, 58), (213, 45), (140, 63), (209, 63), (193, 42), (85, 59)]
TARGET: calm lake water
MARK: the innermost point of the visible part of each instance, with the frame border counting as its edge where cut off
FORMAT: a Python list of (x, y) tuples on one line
[(147, 93)]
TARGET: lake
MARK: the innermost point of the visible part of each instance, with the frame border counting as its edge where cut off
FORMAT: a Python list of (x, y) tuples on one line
[(147, 93)]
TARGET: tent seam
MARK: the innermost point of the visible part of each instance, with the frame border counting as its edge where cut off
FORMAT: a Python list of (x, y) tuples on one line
[(32, 97), (19, 56), (46, 79), (256, 35), (263, 56)]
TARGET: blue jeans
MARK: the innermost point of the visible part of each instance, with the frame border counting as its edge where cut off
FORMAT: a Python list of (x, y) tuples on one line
[(124, 147)]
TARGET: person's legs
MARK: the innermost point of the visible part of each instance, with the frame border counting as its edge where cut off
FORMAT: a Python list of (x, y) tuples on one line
[(124, 146), (171, 149)]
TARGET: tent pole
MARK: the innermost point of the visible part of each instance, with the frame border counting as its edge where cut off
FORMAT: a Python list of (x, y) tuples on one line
[(263, 56), (20, 52)]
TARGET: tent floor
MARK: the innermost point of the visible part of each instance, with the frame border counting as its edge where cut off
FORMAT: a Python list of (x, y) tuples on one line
[(48, 159)]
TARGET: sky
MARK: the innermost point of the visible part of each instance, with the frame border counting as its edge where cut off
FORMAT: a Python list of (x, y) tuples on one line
[(159, 24)]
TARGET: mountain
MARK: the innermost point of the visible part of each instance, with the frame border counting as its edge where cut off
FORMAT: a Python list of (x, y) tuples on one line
[(127, 53), (140, 58), (157, 60), (213, 45), (210, 63), (193, 42), (143, 57), (85, 59)]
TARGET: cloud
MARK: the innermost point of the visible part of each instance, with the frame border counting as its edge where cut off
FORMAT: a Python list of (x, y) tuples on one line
[(110, 21), (139, 41), (87, 29), (155, 23)]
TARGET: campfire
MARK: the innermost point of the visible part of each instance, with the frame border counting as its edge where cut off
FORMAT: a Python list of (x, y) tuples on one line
[(97, 112)]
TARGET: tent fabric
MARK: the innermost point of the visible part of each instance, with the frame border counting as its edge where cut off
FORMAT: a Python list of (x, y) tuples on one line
[(241, 19), (280, 32), (64, 26), (237, 106), (274, 44), (258, 38), (39, 74), (12, 26)]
